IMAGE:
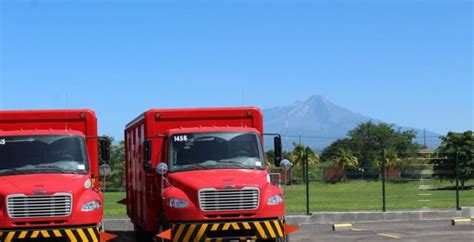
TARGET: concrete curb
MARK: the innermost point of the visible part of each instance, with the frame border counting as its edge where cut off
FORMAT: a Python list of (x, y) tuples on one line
[(352, 217), (124, 224)]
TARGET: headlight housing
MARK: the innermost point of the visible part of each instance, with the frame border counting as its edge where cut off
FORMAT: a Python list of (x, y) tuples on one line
[(91, 206), (275, 200), (87, 183), (178, 203)]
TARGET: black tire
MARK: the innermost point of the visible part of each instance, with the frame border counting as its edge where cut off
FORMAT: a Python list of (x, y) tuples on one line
[(283, 239), (137, 232), (143, 235)]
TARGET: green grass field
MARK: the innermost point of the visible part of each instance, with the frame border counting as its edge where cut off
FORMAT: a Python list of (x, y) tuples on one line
[(111, 207), (354, 196), (367, 195)]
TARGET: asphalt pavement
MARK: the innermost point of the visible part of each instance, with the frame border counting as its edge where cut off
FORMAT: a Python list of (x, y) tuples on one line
[(426, 230)]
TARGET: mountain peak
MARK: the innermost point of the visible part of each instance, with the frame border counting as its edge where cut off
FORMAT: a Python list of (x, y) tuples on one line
[(315, 116)]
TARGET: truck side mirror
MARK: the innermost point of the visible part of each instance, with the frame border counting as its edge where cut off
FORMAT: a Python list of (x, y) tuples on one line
[(104, 143), (147, 155), (285, 164), (162, 169), (277, 148), (105, 170)]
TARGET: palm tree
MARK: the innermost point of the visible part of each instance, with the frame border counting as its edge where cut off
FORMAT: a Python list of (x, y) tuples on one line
[(391, 159), (343, 159), (300, 152)]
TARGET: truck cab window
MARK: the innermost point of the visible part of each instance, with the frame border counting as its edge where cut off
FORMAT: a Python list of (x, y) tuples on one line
[(217, 150), (42, 154)]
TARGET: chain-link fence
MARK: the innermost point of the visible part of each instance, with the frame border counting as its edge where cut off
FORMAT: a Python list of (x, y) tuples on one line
[(417, 181)]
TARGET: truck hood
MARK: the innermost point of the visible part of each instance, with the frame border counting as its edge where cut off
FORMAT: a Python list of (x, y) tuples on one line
[(30, 184), (192, 181)]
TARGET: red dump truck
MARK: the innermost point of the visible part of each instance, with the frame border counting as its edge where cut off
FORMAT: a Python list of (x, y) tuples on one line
[(201, 175), (49, 170)]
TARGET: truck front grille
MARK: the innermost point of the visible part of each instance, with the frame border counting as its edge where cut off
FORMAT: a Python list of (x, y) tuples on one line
[(211, 199), (22, 206)]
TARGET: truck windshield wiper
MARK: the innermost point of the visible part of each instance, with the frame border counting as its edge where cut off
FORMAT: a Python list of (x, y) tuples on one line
[(231, 163), (52, 168), (194, 167)]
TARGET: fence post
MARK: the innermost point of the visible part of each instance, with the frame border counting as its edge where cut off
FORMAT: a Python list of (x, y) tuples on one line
[(307, 182), (383, 180), (457, 180)]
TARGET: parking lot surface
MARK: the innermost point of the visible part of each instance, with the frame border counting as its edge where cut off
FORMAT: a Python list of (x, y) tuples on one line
[(435, 230)]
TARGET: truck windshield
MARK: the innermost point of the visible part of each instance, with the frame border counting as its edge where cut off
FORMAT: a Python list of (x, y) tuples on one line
[(42, 154), (218, 150)]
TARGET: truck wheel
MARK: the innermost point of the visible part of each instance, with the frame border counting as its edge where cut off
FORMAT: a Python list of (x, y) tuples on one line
[(284, 239), (143, 235)]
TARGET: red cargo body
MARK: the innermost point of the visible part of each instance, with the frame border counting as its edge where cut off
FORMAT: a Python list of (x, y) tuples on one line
[(214, 199), (48, 172)]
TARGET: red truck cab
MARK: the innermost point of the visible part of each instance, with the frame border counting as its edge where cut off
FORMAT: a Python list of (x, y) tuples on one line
[(200, 174), (49, 186)]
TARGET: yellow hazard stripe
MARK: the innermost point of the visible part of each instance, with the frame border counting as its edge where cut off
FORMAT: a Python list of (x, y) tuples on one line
[(270, 229), (9, 236), (178, 233), (70, 235), (35, 235), (201, 231), (23, 234), (246, 225), (45, 233), (278, 227), (92, 234), (190, 232), (235, 226), (260, 230), (82, 235), (57, 233), (214, 227), (226, 226)]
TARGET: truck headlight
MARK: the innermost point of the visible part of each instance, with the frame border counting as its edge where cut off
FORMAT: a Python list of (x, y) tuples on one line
[(177, 203), (275, 200), (91, 206)]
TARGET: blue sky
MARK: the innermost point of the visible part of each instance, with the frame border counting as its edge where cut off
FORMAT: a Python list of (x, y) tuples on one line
[(402, 61)]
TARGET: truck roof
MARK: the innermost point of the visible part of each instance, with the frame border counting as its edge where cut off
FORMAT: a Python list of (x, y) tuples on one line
[(49, 121), (196, 113), (211, 129)]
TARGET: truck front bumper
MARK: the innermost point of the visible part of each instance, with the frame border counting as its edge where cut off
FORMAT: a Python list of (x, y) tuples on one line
[(85, 234), (218, 231)]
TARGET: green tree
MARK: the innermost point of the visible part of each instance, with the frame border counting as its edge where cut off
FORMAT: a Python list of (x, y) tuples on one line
[(391, 159), (299, 153), (368, 140), (344, 158), (116, 179), (333, 150), (445, 157)]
